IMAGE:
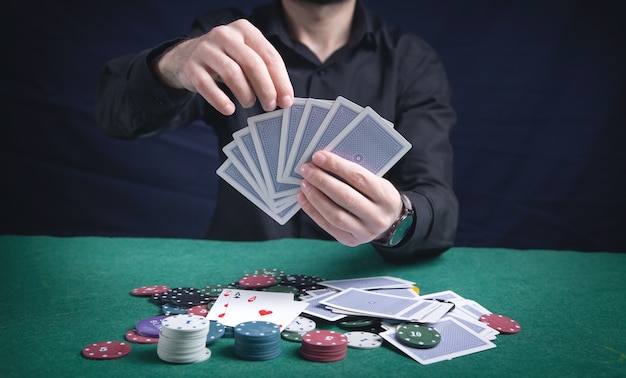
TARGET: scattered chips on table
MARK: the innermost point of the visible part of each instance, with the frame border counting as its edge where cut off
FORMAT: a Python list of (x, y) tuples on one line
[(182, 331)]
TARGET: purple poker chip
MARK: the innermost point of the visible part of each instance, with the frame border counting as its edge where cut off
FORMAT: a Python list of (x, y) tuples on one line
[(150, 327)]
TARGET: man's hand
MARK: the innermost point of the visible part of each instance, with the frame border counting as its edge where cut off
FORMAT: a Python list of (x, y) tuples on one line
[(236, 54), (354, 212)]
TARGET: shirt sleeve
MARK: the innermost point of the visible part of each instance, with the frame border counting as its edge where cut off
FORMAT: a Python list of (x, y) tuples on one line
[(131, 102), (426, 118)]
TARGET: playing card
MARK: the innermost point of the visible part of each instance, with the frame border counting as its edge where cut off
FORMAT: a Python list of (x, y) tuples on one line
[(265, 130), (456, 340), (366, 283), (447, 295), (477, 326), (231, 175), (378, 305), (315, 308), (471, 308), (291, 119), (436, 312), (235, 306), (312, 117), (244, 141), (341, 113), (232, 152), (370, 141)]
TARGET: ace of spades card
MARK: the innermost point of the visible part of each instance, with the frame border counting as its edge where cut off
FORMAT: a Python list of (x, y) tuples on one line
[(235, 306)]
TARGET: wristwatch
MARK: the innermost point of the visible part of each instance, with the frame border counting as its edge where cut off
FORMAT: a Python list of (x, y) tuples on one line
[(396, 233)]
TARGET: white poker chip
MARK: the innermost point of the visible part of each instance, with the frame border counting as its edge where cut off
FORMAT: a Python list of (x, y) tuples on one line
[(183, 338), (301, 325), (363, 340)]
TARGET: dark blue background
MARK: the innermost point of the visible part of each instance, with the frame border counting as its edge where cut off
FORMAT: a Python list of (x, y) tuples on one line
[(540, 88)]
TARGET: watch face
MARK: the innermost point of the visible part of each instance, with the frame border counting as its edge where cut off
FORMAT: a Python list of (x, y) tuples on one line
[(401, 230)]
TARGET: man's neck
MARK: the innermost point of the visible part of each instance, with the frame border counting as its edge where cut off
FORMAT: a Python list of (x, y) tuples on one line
[(322, 28)]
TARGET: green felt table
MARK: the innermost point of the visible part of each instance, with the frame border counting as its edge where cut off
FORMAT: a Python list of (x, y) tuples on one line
[(61, 294)]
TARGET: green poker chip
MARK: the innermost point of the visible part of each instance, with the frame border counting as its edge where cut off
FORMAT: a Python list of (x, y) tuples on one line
[(291, 336), (214, 291), (274, 272), (418, 336), (356, 323)]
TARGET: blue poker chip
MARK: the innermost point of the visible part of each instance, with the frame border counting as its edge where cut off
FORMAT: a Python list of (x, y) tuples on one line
[(257, 341), (170, 309), (216, 331)]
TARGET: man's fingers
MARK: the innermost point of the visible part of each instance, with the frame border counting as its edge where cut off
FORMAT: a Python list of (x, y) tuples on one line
[(283, 89)]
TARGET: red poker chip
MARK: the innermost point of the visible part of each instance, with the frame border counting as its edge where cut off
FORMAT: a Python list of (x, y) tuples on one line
[(256, 281), (134, 337), (106, 350), (200, 310), (324, 346), (146, 291), (501, 323)]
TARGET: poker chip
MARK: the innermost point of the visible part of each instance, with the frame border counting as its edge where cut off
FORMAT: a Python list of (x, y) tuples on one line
[(216, 331), (134, 337), (301, 325), (301, 281), (357, 323), (323, 346), (188, 298), (274, 272), (501, 323), (418, 336), (363, 340), (150, 327), (214, 291), (257, 341), (256, 281), (146, 291), (170, 309), (106, 350), (182, 339), (200, 310), (291, 336)]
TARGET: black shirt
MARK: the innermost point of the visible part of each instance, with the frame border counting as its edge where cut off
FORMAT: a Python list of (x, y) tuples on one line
[(394, 72)]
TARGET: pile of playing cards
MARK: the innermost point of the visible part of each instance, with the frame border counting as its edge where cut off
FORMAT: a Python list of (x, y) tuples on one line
[(264, 158), (459, 326)]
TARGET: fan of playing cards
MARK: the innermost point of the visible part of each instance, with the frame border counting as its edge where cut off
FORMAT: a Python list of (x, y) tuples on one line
[(264, 158)]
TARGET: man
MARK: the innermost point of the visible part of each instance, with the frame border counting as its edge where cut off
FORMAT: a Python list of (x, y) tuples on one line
[(231, 67)]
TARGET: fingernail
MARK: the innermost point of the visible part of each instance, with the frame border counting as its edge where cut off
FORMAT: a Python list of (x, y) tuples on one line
[(305, 170), (285, 101), (270, 106), (229, 109), (319, 158), (305, 186)]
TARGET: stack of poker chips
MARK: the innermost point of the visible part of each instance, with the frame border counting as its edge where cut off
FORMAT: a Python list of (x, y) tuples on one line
[(183, 338), (257, 341), (324, 346)]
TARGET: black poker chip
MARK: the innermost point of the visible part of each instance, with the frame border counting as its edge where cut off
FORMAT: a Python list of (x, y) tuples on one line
[(301, 281), (182, 297)]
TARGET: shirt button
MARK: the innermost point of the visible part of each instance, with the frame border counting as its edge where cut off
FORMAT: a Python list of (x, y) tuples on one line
[(321, 72)]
